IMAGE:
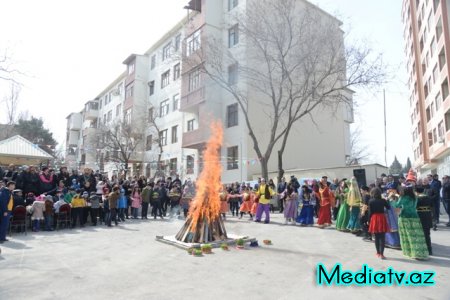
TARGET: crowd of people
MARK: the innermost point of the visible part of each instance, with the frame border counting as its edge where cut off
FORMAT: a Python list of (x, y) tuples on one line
[(394, 213)]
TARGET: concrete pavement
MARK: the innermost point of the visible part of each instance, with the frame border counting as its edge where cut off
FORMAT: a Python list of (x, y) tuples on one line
[(126, 262)]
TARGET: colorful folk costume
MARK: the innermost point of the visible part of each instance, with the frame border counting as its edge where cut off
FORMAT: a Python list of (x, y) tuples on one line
[(326, 202), (412, 237), (308, 200), (265, 193), (246, 206), (424, 210), (378, 225), (392, 237), (344, 211), (254, 199), (290, 208), (354, 201), (223, 195)]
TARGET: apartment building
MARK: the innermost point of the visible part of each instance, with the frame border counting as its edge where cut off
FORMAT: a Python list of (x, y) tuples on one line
[(427, 42), (206, 100), (167, 95), (165, 121)]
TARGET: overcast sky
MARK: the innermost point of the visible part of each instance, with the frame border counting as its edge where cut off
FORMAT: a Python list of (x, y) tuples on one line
[(71, 50)]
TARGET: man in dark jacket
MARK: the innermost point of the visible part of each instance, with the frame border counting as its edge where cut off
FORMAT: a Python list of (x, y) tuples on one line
[(64, 176), (6, 206), (87, 181), (31, 183), (446, 195)]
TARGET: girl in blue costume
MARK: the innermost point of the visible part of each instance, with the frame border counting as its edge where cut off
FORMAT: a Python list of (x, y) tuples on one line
[(308, 200), (354, 201), (392, 236)]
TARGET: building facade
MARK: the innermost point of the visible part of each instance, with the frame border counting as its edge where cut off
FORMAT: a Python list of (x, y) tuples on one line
[(166, 93), (427, 42)]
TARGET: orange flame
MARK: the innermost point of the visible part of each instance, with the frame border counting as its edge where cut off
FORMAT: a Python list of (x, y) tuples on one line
[(206, 203)]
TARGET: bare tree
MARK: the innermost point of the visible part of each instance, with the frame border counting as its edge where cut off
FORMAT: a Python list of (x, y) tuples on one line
[(122, 140), (359, 152), (8, 70), (11, 103), (295, 64), (157, 139)]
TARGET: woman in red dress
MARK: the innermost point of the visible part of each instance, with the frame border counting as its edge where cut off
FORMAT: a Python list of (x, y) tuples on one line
[(326, 197), (378, 222)]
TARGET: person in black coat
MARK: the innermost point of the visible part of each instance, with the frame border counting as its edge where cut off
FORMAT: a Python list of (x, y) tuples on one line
[(88, 181), (424, 210), (31, 183), (64, 176)]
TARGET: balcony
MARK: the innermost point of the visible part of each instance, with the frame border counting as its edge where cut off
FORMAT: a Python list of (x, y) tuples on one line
[(72, 138), (195, 139), (91, 114), (90, 131), (192, 99), (75, 122)]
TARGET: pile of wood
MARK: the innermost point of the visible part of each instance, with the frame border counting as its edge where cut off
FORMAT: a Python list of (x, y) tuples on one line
[(204, 232)]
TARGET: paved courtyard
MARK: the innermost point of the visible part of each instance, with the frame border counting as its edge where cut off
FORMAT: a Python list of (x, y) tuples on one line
[(126, 262)]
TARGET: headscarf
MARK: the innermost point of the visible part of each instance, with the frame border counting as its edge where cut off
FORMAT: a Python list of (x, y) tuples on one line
[(354, 195)]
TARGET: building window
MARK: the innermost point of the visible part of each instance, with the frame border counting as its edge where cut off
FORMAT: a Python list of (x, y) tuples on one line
[(438, 29), (233, 36), (153, 62), (176, 71), (131, 69), (165, 79), (442, 60), (435, 73), (175, 134), (444, 88), (232, 158), (189, 164), (232, 4), (129, 91), (166, 51), (148, 144), (420, 148), (109, 116), (151, 113), (118, 109), (164, 108), (430, 139), (193, 43), (428, 114), (435, 136), (100, 103), (173, 165), (433, 47), (232, 115), (190, 125), (194, 79), (151, 87), (176, 102), (441, 130), (438, 101), (232, 74), (128, 116), (163, 137), (177, 42)]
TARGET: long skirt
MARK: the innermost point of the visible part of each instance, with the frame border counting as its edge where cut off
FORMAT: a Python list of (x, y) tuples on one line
[(378, 223), (324, 215), (412, 238), (392, 237), (353, 222), (343, 217), (246, 206), (306, 216), (290, 210)]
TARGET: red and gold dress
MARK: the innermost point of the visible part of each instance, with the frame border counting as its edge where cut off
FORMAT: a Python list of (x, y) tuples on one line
[(224, 207), (326, 202)]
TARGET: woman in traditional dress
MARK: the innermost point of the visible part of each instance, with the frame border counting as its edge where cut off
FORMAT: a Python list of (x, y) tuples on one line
[(223, 201), (254, 198), (354, 201), (378, 224), (246, 206), (308, 200), (326, 202), (412, 238), (424, 210), (392, 236), (290, 208), (344, 211)]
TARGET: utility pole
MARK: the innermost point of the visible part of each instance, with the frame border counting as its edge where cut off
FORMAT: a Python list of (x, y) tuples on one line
[(385, 135)]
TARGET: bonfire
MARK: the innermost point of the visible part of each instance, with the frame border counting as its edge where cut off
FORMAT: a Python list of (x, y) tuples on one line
[(204, 224)]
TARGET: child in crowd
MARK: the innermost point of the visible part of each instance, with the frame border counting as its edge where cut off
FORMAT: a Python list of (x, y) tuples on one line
[(37, 213)]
